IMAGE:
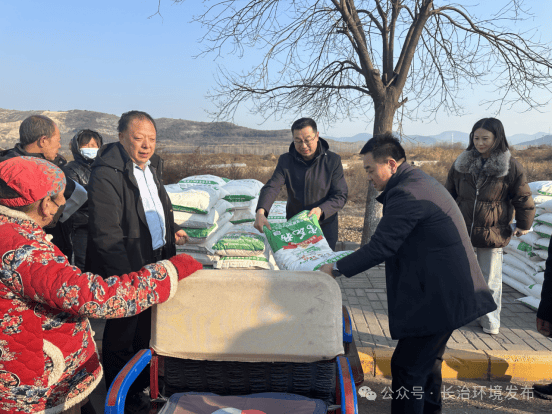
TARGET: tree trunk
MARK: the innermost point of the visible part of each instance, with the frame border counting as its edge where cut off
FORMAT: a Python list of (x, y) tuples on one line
[(383, 122)]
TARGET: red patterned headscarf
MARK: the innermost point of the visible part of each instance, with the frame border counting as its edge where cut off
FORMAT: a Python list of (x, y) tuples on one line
[(32, 178)]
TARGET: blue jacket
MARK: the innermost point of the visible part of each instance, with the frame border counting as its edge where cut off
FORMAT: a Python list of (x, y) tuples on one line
[(433, 280)]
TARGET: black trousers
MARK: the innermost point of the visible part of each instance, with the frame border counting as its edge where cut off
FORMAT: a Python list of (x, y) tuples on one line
[(417, 374), (123, 337), (330, 231)]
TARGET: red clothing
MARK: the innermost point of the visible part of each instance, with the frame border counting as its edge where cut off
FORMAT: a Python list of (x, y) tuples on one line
[(48, 357)]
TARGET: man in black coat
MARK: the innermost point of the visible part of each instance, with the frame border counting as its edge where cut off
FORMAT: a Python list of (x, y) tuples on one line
[(314, 179), (543, 318), (130, 225), (434, 284), (39, 136)]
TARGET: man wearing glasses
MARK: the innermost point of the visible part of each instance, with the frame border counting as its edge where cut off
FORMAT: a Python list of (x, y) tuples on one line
[(314, 179)]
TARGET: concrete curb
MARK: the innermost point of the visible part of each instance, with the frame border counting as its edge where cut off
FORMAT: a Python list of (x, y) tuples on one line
[(532, 366)]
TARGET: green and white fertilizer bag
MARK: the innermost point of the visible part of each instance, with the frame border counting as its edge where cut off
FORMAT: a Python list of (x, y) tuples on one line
[(203, 179), (531, 302), (299, 244), (277, 214), (240, 241), (246, 214), (198, 236), (202, 220), (196, 199), (242, 190), (544, 218), (543, 187)]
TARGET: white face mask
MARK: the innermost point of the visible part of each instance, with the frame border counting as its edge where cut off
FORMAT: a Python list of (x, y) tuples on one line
[(89, 152)]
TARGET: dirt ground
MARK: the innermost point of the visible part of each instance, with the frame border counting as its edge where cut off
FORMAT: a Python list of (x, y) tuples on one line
[(466, 397), (350, 225)]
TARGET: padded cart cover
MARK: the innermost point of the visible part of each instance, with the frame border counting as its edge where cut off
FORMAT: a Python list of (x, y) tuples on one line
[(267, 403), (251, 316)]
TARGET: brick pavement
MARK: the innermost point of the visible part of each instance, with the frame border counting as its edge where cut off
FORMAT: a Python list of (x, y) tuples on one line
[(365, 297)]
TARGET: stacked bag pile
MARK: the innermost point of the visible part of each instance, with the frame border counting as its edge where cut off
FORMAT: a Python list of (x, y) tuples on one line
[(524, 257), (218, 215), (200, 209)]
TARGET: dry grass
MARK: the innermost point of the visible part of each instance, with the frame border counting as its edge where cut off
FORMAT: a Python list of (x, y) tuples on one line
[(535, 160)]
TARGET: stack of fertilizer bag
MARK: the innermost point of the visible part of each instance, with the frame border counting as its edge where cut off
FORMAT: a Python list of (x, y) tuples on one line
[(218, 214), (200, 209), (524, 257), (242, 246), (299, 244)]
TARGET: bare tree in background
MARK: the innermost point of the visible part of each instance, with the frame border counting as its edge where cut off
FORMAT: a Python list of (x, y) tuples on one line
[(343, 59)]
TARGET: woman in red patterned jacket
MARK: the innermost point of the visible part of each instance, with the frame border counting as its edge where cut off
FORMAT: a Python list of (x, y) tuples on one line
[(48, 357)]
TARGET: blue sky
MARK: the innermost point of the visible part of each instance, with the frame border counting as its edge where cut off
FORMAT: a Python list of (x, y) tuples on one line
[(108, 56)]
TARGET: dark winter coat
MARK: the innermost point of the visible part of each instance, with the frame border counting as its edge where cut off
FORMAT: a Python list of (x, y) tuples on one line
[(544, 309), (79, 171), (119, 240), (489, 196), (433, 280), (60, 233), (316, 183)]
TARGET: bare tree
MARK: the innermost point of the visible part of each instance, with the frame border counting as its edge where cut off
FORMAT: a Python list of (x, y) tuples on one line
[(341, 59)]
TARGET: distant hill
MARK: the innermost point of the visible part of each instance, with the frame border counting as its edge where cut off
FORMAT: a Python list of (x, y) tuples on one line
[(175, 134), (545, 139), (171, 132)]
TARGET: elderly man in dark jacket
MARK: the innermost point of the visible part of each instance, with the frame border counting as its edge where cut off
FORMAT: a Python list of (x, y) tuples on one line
[(314, 179), (39, 137), (434, 284), (130, 224)]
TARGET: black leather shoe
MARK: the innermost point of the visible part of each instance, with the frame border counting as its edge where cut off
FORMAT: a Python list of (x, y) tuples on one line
[(543, 391)]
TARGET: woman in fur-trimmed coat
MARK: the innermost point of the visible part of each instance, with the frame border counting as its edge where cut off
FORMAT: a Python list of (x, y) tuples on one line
[(490, 186)]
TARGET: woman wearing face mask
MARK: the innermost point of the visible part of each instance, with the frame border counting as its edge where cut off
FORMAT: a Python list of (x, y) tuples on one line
[(490, 186), (84, 146)]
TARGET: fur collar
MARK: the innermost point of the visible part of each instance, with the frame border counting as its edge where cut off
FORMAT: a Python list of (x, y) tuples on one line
[(469, 161)]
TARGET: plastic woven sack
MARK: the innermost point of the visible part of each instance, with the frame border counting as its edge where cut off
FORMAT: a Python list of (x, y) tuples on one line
[(197, 236), (203, 179), (544, 218), (518, 275), (520, 246), (514, 262), (242, 241), (542, 243), (202, 220), (196, 199), (543, 230), (244, 215), (531, 302), (545, 206), (299, 244), (541, 187), (538, 277), (277, 214), (535, 290), (242, 190), (520, 287)]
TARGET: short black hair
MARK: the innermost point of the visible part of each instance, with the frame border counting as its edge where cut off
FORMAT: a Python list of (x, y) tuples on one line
[(494, 126), (383, 146), (304, 122), (84, 137), (34, 127), (127, 117)]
